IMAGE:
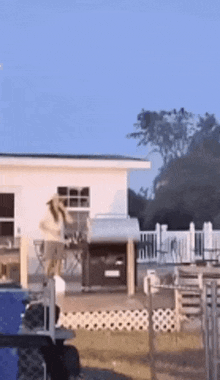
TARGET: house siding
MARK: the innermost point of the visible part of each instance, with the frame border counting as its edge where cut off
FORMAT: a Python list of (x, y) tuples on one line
[(33, 187)]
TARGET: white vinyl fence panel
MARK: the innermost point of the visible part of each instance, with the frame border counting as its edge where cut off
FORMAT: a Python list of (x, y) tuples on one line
[(176, 247), (149, 251), (216, 244)]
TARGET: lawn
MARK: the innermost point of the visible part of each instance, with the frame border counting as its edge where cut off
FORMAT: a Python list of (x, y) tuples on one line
[(177, 355)]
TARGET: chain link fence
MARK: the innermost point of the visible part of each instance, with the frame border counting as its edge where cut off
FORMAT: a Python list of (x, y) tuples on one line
[(198, 300)]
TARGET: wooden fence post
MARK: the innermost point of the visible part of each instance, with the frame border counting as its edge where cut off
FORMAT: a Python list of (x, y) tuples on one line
[(130, 268)]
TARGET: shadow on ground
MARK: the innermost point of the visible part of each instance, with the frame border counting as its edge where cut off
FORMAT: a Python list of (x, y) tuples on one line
[(187, 365), (99, 374)]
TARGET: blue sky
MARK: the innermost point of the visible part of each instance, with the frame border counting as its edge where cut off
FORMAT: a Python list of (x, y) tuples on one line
[(77, 72)]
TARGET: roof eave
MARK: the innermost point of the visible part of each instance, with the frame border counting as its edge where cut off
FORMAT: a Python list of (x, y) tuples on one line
[(74, 163)]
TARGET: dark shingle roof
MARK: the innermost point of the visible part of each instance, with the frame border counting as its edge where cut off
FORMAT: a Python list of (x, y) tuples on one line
[(72, 156)]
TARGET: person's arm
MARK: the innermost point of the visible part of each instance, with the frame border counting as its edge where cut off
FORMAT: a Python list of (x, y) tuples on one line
[(68, 217), (45, 226)]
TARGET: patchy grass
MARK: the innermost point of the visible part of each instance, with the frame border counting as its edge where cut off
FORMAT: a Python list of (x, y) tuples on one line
[(128, 353), (174, 342)]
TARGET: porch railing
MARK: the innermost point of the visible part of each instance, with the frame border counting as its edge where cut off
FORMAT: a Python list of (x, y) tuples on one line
[(164, 246)]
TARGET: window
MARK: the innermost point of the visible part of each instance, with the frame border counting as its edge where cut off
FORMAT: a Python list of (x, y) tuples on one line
[(6, 214), (74, 196), (6, 205)]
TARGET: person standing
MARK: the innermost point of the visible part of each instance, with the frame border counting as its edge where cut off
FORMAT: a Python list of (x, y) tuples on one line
[(52, 227)]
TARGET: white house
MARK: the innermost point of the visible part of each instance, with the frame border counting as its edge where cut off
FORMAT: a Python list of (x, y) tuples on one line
[(89, 184)]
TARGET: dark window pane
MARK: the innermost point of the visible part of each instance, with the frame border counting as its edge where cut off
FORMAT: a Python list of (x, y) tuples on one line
[(85, 191), (6, 228), (62, 190), (6, 205), (74, 191), (74, 202), (84, 202)]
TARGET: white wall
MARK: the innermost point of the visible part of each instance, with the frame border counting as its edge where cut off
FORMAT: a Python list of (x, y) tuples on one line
[(35, 186)]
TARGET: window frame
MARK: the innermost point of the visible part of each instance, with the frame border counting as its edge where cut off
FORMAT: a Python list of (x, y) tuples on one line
[(77, 209), (77, 197)]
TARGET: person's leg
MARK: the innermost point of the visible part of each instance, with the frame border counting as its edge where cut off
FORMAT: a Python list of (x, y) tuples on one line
[(49, 255), (57, 267), (59, 258), (50, 271)]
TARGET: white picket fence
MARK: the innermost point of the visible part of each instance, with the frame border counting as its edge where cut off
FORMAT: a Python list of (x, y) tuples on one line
[(163, 246)]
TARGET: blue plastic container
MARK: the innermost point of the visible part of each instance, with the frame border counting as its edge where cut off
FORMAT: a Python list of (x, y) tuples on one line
[(12, 305)]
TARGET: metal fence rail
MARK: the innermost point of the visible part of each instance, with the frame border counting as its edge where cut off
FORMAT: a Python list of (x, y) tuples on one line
[(212, 330)]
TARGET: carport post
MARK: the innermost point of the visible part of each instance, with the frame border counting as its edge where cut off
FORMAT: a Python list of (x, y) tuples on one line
[(130, 268), (24, 251)]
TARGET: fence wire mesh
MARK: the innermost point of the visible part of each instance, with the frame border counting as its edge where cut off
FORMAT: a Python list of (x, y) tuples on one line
[(31, 364)]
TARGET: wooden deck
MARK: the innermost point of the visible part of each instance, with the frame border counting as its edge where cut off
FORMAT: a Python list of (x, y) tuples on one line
[(106, 298)]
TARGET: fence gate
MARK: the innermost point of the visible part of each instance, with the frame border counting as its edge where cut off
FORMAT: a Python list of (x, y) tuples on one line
[(212, 329)]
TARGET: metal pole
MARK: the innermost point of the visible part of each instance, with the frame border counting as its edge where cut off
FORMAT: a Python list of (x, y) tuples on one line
[(151, 333), (214, 331), (177, 296), (52, 309), (206, 332), (45, 307)]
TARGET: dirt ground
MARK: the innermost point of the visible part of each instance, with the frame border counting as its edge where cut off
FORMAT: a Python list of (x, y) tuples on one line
[(125, 355), (107, 355), (185, 366)]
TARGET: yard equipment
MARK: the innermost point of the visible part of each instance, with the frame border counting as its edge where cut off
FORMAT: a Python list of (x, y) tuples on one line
[(38, 343)]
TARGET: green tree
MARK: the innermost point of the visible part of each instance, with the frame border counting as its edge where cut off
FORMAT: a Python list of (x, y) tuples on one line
[(187, 189), (137, 204), (207, 132), (168, 133), (174, 134)]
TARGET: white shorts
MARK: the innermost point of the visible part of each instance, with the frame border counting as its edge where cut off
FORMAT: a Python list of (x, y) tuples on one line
[(54, 250)]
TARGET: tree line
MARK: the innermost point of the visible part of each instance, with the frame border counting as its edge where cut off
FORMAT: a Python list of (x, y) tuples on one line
[(187, 187)]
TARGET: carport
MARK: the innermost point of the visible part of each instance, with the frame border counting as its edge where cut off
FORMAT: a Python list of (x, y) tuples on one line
[(110, 257)]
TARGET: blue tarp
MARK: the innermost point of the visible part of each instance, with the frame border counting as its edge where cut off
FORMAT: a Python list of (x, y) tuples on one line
[(12, 305)]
